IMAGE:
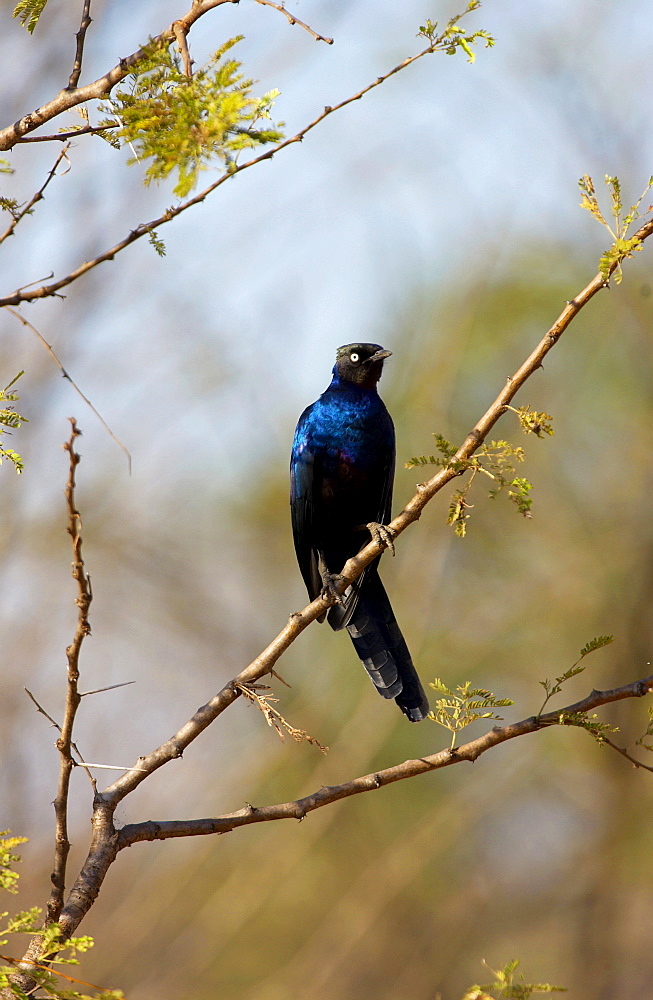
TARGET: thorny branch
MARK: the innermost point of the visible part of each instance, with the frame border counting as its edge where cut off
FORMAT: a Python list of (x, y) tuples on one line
[(73, 697), (63, 155), (22, 295), (152, 830)]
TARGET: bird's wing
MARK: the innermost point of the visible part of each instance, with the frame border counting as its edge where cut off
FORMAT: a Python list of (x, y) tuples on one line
[(305, 476)]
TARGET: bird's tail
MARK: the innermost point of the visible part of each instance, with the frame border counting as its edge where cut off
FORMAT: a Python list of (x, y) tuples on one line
[(383, 651)]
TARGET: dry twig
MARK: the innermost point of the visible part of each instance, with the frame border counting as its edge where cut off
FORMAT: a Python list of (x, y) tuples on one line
[(273, 717)]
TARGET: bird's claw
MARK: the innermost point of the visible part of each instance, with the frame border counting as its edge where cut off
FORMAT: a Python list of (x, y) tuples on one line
[(329, 591), (382, 534)]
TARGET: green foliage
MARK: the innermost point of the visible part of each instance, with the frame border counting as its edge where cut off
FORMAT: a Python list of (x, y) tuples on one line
[(10, 419), (182, 123), (505, 987), (453, 37), (496, 460), (54, 951), (555, 687), (157, 243), (457, 709), (5, 166), (8, 877), (590, 723), (533, 422), (29, 12), (622, 246)]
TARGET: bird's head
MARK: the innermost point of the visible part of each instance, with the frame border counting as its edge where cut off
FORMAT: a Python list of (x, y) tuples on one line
[(360, 363)]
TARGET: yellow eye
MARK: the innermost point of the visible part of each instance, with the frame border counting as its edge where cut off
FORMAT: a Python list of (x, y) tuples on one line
[(353, 357)]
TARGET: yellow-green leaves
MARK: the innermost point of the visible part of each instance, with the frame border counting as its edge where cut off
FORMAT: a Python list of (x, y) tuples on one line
[(555, 687), (182, 123), (29, 12), (457, 709), (623, 246), (453, 37), (507, 986), (9, 420)]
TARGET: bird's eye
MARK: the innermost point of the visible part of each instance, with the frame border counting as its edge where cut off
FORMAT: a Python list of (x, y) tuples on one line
[(353, 357)]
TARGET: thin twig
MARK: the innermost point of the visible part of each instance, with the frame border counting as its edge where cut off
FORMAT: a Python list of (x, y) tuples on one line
[(624, 753), (171, 213), (73, 699), (295, 20), (67, 376), (37, 197), (62, 136), (79, 51)]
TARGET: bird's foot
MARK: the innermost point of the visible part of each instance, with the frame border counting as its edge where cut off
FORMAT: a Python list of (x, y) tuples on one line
[(329, 588), (382, 534)]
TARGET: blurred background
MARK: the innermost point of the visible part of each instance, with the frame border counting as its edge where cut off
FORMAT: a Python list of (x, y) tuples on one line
[(439, 217)]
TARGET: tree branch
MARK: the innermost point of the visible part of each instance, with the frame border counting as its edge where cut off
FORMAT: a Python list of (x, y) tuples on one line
[(79, 51), (73, 95), (73, 697), (36, 197), (22, 295), (135, 833), (295, 20)]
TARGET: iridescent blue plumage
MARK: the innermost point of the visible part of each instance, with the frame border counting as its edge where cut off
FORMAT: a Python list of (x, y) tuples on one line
[(341, 476)]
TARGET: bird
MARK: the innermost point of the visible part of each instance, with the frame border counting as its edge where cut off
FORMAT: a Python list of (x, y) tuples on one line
[(341, 479)]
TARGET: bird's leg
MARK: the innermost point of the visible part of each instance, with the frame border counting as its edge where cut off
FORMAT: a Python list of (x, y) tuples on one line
[(329, 584), (382, 534)]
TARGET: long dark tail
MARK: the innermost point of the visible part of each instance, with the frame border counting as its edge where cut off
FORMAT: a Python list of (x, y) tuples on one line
[(383, 651)]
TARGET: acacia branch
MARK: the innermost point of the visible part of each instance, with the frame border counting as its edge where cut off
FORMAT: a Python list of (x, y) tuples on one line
[(73, 698), (295, 20), (36, 197), (79, 50), (135, 833), (73, 95), (22, 295)]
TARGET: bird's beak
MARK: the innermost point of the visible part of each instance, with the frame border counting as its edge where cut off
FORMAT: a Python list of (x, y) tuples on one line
[(379, 356)]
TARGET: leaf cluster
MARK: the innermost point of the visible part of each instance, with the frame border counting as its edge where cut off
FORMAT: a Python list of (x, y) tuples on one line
[(9, 419), (506, 987), (552, 688), (180, 122), (29, 12), (453, 37), (497, 460), (458, 709), (622, 245)]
